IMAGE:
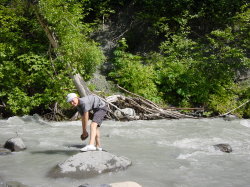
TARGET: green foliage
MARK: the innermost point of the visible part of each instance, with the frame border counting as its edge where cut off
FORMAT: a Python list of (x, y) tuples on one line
[(203, 74), (31, 78), (23, 74), (21, 103), (28, 84), (75, 49), (130, 73), (189, 72), (196, 51)]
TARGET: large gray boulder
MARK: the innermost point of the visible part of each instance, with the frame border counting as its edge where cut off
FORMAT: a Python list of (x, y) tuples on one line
[(89, 164), (15, 144)]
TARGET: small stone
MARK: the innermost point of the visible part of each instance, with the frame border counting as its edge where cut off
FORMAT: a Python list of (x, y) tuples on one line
[(224, 148), (230, 117)]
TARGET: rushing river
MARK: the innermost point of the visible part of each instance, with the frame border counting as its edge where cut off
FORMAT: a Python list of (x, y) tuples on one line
[(165, 153)]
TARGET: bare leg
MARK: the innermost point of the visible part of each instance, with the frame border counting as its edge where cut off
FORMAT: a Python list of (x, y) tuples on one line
[(93, 133), (97, 138)]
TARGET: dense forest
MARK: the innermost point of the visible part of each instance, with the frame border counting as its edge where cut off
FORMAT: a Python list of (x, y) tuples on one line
[(182, 53)]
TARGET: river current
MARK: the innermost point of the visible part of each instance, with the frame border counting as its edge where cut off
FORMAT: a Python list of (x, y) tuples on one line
[(164, 153)]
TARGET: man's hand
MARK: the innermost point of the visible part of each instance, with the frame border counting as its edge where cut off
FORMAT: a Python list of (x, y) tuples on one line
[(84, 136)]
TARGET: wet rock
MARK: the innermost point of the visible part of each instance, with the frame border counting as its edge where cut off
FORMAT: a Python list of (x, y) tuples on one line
[(4, 151), (15, 144), (230, 117), (119, 184), (127, 111), (89, 185), (89, 164), (223, 147), (126, 184)]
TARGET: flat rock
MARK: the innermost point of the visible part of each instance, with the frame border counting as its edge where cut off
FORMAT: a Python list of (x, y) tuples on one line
[(125, 184), (15, 144), (89, 164)]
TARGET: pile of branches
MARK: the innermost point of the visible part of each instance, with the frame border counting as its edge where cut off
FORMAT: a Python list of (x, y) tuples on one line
[(138, 108), (124, 108)]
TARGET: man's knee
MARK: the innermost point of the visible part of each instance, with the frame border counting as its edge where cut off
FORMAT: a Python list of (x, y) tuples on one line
[(93, 125)]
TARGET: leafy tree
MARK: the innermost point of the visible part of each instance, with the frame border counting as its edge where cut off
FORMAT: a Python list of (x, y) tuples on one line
[(203, 72), (130, 73), (75, 49), (33, 75)]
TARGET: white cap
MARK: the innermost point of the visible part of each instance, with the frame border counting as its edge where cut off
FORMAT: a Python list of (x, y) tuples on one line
[(70, 97)]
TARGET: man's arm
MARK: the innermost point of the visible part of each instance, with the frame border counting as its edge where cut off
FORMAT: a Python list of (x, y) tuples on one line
[(85, 119)]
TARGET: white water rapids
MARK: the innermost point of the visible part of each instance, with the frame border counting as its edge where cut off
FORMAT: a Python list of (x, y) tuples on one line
[(164, 153)]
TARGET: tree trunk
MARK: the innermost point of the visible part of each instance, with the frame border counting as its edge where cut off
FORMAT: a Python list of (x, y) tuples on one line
[(77, 79), (50, 35), (80, 85)]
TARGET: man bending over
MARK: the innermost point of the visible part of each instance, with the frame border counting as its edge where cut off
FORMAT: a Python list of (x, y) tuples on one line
[(84, 105)]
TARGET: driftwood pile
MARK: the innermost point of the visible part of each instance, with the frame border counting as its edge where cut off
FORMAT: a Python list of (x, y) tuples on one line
[(136, 107), (133, 107), (125, 108), (139, 109)]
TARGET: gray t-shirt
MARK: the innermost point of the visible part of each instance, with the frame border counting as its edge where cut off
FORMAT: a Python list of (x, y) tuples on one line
[(90, 102)]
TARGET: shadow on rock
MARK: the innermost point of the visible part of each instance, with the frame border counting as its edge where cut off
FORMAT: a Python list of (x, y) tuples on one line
[(78, 146), (59, 152)]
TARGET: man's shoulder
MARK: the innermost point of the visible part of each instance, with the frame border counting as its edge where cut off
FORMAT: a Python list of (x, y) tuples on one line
[(88, 97)]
